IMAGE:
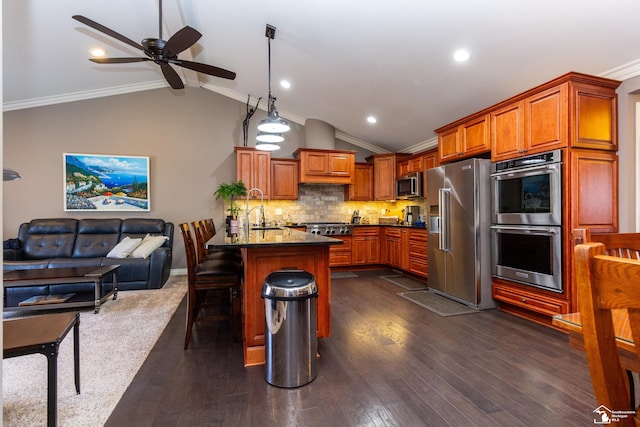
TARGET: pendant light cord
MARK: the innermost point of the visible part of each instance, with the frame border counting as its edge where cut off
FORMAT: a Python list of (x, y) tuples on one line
[(270, 95)]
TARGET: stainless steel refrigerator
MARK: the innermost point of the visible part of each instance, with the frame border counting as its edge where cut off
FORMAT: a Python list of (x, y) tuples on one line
[(459, 256)]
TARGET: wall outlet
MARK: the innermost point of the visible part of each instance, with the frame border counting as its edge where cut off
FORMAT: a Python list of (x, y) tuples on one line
[(278, 211), (383, 211)]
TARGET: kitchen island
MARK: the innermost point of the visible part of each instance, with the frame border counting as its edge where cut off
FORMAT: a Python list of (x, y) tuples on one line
[(265, 251)]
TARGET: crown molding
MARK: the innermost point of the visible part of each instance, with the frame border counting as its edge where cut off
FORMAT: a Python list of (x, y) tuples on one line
[(360, 143), (422, 146), (623, 72), (81, 96)]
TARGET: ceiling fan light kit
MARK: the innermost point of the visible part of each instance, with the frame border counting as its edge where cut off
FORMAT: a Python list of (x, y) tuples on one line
[(162, 52), (271, 128)]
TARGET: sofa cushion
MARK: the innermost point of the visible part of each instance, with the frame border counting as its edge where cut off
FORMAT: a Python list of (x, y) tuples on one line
[(96, 237), (124, 248), (25, 265), (74, 262), (149, 244), (49, 238), (140, 227)]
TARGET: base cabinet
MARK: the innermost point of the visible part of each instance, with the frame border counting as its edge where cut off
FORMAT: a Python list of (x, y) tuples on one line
[(340, 255), (366, 246), (418, 252)]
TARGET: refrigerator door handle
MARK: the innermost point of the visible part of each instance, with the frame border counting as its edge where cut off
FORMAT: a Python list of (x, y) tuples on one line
[(443, 213)]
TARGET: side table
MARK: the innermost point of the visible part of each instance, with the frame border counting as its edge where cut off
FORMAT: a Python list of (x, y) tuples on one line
[(43, 334)]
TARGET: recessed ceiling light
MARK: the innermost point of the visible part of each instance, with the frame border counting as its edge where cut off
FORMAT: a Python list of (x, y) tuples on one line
[(461, 55), (371, 119), (285, 84), (97, 52)]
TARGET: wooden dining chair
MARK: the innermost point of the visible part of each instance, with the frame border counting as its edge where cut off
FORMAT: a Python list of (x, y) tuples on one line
[(605, 283), (624, 245), (202, 234), (212, 275)]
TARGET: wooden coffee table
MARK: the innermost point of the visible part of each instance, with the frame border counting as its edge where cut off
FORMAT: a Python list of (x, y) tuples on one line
[(71, 275), (43, 334)]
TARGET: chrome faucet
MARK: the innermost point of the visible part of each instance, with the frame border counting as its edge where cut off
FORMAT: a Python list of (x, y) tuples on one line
[(247, 211)]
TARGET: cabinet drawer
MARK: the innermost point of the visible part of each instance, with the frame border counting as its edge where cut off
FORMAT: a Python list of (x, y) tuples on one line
[(418, 266), (365, 231), (529, 300), (344, 247), (339, 259), (392, 232)]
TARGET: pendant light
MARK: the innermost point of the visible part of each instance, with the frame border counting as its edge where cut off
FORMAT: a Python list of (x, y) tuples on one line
[(271, 128)]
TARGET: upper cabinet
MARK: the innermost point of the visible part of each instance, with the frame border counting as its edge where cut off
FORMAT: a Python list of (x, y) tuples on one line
[(326, 166), (284, 179), (384, 175), (464, 139), (575, 110), (362, 187), (253, 167)]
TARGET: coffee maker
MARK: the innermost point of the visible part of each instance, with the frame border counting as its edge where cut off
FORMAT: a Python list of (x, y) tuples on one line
[(412, 214)]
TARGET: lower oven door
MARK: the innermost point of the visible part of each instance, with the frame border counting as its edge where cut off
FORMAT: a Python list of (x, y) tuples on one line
[(531, 255)]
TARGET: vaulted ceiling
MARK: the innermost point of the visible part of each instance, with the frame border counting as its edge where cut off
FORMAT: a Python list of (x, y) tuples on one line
[(345, 60)]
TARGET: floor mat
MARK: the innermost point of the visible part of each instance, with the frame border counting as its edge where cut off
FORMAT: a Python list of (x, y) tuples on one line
[(405, 282), (437, 303), (342, 274)]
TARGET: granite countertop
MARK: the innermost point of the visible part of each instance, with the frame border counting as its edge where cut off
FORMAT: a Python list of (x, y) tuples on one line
[(276, 236)]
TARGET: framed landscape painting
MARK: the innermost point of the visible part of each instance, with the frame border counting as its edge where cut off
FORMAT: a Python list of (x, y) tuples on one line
[(95, 182)]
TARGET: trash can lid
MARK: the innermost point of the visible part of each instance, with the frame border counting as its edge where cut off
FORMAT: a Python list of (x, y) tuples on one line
[(289, 284)]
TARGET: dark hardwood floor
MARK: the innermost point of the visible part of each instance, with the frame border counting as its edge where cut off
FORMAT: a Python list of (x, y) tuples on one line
[(388, 362)]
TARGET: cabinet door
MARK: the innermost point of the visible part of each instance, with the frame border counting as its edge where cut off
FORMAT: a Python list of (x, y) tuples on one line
[(384, 181), (253, 167), (403, 168), (594, 190), (475, 136), (546, 123), (362, 188), (340, 164), (507, 132), (595, 111), (449, 145), (415, 164), (284, 179)]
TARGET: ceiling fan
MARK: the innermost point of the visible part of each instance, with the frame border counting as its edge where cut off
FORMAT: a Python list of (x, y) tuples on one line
[(164, 53)]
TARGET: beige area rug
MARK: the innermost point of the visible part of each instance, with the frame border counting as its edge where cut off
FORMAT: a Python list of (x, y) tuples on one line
[(438, 304), (113, 346)]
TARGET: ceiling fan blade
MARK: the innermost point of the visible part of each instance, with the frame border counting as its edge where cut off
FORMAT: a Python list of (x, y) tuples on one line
[(118, 60), (205, 69), (172, 76), (107, 31), (183, 39)]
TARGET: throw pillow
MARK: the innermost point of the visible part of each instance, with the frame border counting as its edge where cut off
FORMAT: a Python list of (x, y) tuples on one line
[(149, 244), (124, 248)]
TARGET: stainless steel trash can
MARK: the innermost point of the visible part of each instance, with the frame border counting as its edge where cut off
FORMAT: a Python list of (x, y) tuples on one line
[(291, 344)]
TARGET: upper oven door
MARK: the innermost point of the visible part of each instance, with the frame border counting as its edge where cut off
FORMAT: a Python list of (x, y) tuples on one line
[(530, 196)]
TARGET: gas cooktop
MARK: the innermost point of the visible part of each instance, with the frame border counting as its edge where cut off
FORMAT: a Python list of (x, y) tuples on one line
[(329, 228)]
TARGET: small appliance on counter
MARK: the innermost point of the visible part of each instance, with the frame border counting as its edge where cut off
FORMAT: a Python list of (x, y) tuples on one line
[(412, 214), (355, 218)]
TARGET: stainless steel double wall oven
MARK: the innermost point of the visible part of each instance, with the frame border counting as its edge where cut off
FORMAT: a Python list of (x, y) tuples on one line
[(526, 226)]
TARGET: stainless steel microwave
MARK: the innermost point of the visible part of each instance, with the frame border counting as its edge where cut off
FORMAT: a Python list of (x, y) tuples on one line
[(409, 186)]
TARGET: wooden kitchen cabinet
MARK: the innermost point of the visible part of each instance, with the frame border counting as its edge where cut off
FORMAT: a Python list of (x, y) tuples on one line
[(340, 255), (384, 179), (365, 246), (284, 179), (467, 139), (411, 165), (362, 187), (253, 167), (326, 166), (533, 125), (572, 111), (593, 184), (417, 245)]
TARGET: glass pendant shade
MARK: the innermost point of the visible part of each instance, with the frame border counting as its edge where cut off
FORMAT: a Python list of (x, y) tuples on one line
[(269, 137), (267, 146)]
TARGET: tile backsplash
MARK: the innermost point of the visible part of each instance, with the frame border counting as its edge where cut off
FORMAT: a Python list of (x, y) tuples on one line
[(325, 203)]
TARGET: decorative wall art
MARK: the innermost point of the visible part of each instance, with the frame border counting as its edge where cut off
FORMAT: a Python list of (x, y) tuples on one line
[(95, 182)]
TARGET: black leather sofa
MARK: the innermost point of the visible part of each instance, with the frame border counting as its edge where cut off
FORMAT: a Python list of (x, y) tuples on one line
[(67, 242)]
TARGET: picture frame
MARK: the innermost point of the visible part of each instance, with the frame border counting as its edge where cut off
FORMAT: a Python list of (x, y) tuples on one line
[(99, 183)]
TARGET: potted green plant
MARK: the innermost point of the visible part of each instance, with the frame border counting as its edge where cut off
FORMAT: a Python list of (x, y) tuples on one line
[(229, 193)]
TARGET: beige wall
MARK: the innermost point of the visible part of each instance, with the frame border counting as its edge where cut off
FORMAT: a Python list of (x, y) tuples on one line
[(188, 135), (628, 96)]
